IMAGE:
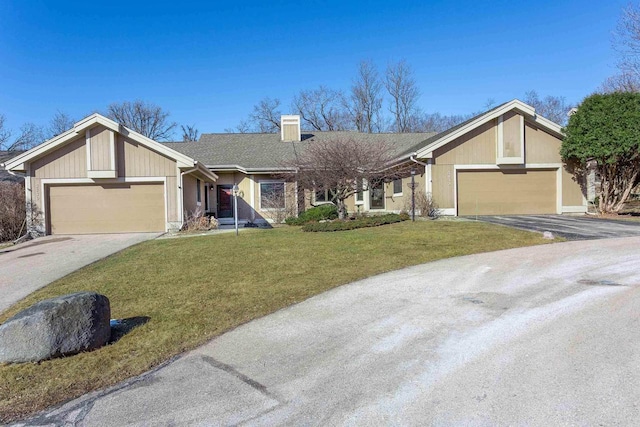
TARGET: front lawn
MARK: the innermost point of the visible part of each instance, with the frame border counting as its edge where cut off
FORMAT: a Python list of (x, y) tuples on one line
[(196, 288)]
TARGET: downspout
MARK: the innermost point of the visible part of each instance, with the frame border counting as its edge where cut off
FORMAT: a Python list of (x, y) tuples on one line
[(182, 194)]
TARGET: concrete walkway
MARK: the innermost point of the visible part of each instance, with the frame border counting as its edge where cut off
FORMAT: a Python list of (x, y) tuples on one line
[(545, 335), (29, 266)]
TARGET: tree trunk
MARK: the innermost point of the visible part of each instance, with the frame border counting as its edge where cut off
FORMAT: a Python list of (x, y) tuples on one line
[(617, 182), (342, 209)]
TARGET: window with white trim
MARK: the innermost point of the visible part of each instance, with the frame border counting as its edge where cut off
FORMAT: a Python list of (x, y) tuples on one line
[(322, 196), (198, 195), (360, 193), (272, 195)]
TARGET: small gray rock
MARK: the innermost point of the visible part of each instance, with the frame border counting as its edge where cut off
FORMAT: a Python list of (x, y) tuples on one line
[(548, 235), (56, 327)]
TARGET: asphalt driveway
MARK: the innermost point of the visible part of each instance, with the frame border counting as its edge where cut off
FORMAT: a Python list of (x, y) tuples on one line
[(569, 227), (29, 266), (539, 336)]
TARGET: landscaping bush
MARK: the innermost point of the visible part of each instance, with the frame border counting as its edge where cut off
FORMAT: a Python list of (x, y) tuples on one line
[(318, 213), (372, 221), (12, 211)]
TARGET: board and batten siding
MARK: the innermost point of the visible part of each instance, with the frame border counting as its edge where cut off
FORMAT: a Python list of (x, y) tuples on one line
[(541, 147), (100, 140), (133, 161), (475, 147)]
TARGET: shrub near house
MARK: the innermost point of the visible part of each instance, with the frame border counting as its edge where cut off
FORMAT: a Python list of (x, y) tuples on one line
[(12, 210)]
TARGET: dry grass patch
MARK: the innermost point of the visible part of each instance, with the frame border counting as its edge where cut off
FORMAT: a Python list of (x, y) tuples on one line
[(197, 288)]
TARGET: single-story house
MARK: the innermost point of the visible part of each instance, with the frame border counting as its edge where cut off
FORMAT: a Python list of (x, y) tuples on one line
[(102, 177)]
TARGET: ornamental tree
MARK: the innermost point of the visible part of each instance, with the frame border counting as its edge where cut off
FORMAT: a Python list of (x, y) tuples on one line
[(606, 130), (344, 167)]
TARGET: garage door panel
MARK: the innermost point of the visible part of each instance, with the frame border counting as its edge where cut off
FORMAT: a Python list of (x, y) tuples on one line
[(108, 208), (509, 192)]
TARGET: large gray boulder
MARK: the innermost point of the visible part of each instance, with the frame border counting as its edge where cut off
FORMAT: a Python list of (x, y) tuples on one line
[(56, 327)]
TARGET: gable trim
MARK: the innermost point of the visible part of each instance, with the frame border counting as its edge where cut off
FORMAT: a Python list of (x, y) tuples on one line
[(18, 163), (427, 151)]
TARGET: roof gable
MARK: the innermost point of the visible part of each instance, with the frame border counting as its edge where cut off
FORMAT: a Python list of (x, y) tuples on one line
[(425, 150), (19, 162)]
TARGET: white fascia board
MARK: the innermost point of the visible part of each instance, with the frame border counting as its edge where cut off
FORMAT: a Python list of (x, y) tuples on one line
[(18, 163), (427, 151), (552, 126)]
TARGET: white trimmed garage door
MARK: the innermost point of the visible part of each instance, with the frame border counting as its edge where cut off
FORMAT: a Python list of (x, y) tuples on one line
[(508, 192), (107, 208)]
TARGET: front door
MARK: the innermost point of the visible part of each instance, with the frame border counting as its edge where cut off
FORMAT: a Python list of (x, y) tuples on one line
[(376, 194), (225, 201)]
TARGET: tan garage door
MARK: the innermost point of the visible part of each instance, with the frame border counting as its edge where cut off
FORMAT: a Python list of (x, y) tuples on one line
[(108, 208), (509, 192)]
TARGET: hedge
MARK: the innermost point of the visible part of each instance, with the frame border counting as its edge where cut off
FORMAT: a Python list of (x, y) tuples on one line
[(318, 213), (372, 221)]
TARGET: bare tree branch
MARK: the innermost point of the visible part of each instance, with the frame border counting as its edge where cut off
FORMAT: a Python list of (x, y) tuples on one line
[(404, 94), (266, 116), (626, 81), (5, 134), (322, 109), (554, 108), (145, 118), (343, 166), (626, 40), (366, 99), (59, 123), (189, 133)]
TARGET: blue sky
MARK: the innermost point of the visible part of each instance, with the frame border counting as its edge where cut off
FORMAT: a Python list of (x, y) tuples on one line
[(208, 63)]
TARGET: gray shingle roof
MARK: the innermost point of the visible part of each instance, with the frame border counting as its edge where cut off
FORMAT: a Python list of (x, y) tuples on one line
[(256, 151)]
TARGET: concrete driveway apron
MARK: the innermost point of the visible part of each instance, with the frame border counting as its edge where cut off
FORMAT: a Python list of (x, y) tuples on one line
[(29, 266), (569, 227)]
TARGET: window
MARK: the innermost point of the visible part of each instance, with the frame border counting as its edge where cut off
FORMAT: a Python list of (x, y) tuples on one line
[(198, 195), (272, 195), (325, 196), (360, 192), (397, 187)]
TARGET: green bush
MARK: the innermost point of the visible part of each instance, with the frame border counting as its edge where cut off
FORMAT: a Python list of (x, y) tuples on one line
[(372, 221), (318, 213)]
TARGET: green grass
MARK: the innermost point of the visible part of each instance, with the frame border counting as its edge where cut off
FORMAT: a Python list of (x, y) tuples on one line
[(197, 288)]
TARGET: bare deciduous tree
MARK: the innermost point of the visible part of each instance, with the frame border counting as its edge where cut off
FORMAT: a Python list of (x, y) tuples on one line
[(145, 118), (30, 135), (189, 133), (5, 134), (266, 115), (626, 40), (366, 99), (321, 108), (626, 81), (59, 123), (435, 122), (554, 108), (343, 166), (404, 94)]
